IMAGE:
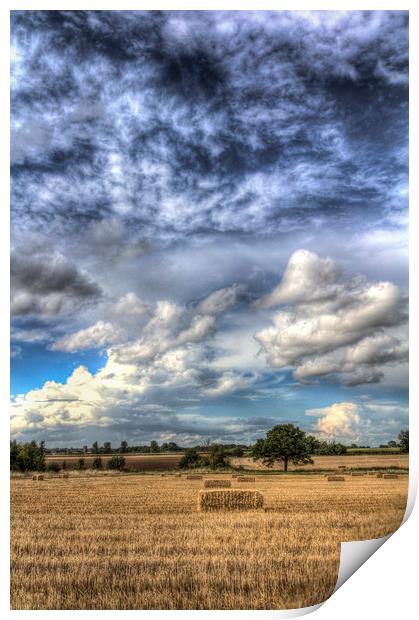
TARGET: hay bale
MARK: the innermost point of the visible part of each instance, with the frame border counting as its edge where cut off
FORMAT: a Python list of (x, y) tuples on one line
[(246, 479), (229, 499), (34, 477), (390, 476), (336, 478), (40, 477), (194, 477), (212, 484), (357, 473), (380, 475), (342, 467)]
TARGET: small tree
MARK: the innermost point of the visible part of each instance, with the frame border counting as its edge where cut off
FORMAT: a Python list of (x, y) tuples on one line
[(404, 441), (97, 463), (154, 446), (107, 447), (116, 462), (284, 443), (190, 459), (217, 457), (95, 447), (124, 447)]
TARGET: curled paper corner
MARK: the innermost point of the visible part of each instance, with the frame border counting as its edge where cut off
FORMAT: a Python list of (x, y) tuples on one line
[(355, 553)]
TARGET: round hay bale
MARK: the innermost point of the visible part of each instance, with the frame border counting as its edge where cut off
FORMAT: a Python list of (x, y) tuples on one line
[(229, 499), (213, 484)]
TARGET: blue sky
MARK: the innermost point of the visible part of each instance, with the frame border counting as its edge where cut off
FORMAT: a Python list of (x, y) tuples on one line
[(209, 224)]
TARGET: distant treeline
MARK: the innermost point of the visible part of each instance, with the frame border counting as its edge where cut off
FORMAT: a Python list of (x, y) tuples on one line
[(31, 456)]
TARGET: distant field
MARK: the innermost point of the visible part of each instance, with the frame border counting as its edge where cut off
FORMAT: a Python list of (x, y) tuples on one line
[(138, 542), (167, 462), (137, 462), (368, 461)]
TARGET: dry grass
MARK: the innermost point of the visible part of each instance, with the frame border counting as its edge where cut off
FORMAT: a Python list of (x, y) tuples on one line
[(232, 499), (139, 542), (217, 483)]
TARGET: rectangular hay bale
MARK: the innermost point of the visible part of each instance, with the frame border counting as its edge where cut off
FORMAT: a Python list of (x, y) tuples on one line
[(390, 476), (342, 467), (246, 479), (336, 478), (357, 473), (229, 499), (194, 477), (212, 484), (380, 475)]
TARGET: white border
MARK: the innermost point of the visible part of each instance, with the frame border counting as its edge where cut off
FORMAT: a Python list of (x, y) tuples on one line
[(345, 602)]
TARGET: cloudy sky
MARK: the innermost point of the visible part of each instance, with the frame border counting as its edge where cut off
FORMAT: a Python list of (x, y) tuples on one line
[(209, 225)]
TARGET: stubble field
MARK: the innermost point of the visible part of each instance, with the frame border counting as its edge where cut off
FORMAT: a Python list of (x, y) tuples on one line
[(139, 542)]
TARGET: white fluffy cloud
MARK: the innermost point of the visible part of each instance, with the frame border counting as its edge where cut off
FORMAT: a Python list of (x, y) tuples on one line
[(339, 422), (330, 326), (98, 335), (165, 364), (366, 422)]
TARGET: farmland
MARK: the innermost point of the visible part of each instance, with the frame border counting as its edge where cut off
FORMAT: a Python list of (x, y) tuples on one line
[(167, 462), (115, 541)]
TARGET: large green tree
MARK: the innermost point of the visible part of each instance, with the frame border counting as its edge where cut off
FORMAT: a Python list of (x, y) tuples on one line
[(284, 443)]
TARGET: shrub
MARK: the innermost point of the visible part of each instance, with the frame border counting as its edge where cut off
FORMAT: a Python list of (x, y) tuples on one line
[(116, 462), (80, 465), (53, 467), (97, 463)]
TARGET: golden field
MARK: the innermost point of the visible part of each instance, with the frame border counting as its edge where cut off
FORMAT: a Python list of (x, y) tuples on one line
[(139, 542)]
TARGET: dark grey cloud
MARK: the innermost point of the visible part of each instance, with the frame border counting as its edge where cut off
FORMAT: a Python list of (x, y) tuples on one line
[(44, 282), (205, 121)]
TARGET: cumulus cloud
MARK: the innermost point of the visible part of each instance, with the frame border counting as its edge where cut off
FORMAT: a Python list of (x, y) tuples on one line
[(219, 301), (339, 422), (166, 363), (367, 422), (332, 326), (95, 336)]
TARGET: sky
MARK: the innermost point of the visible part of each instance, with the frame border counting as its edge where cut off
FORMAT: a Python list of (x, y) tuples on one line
[(209, 225)]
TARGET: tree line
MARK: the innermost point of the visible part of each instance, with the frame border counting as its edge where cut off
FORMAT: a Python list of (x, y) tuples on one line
[(284, 443)]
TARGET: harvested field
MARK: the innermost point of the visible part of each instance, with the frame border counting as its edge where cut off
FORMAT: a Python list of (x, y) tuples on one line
[(367, 461), (139, 542), (135, 462), (217, 483)]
